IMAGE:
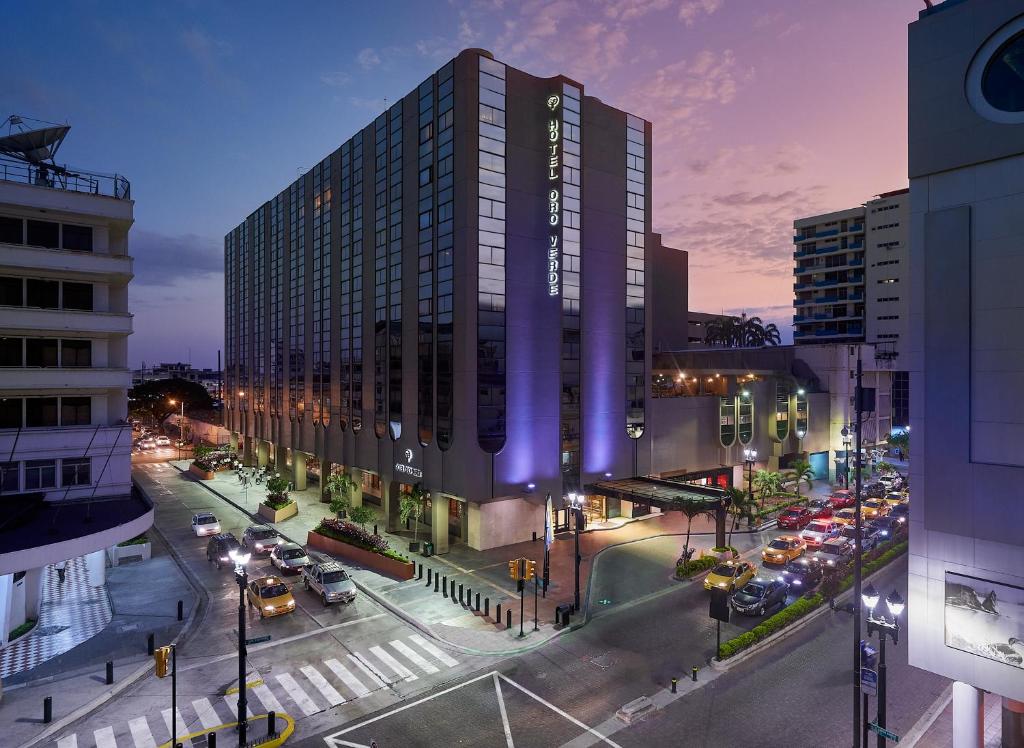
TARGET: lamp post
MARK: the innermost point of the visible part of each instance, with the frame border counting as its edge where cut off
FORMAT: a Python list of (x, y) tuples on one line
[(847, 442), (885, 627), (749, 457), (800, 434), (576, 504), (242, 577), (181, 424)]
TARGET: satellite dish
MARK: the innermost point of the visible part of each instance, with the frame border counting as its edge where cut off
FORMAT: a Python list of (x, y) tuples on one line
[(32, 145)]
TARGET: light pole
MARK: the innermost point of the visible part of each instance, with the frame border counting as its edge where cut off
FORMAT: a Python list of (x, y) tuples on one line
[(749, 458), (576, 504), (242, 577), (884, 627), (847, 443), (800, 434), (181, 424)]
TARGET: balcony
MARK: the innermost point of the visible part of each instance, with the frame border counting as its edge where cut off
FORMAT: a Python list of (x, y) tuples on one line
[(856, 227), (18, 378), (27, 319), (801, 302), (824, 283), (829, 232), (855, 297), (827, 250), (827, 299), (74, 180), (800, 286), (855, 245), (856, 262), (64, 261)]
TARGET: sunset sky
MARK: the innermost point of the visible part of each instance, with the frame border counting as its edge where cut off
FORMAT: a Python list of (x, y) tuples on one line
[(762, 112)]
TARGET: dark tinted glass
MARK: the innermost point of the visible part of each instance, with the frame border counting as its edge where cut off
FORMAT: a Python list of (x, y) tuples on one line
[(43, 293), (78, 296), (11, 230), (10, 352), (1003, 81), (76, 353), (41, 352), (75, 411), (10, 412), (78, 237), (12, 291), (44, 234), (40, 412)]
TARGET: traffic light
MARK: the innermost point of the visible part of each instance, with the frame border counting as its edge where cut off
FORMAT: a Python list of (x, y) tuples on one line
[(531, 569), (162, 657), (513, 569)]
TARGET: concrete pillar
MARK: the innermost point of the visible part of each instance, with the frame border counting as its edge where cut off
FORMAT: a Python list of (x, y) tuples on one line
[(299, 470), (233, 441), (247, 450), (439, 524), (262, 451), (326, 468), (968, 716), (96, 568), (386, 496), (1013, 723), (356, 494), (6, 581), (34, 591)]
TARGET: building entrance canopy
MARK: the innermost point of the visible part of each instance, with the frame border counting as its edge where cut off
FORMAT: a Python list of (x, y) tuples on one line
[(665, 494)]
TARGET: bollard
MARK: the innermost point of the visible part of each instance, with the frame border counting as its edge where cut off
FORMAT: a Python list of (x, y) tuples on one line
[(460, 593), (420, 576), (477, 602), (674, 681), (694, 674), (375, 529), (453, 589), (48, 709), (181, 610), (211, 740), (430, 576), (469, 597), (437, 581), (271, 723), (150, 644), (487, 607), (497, 613), (534, 536), (110, 672), (508, 618), (444, 584)]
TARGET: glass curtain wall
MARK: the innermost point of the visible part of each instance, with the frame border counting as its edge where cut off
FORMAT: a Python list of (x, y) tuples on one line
[(297, 298), (380, 274), (257, 224), (425, 269), (395, 271), (244, 318), (570, 271), (444, 187), (277, 279), (357, 283), (636, 233)]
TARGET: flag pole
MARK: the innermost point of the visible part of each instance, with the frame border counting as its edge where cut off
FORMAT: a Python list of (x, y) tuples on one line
[(548, 537)]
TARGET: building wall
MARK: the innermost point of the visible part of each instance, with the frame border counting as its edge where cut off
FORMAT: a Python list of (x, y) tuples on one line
[(672, 320), (887, 276), (967, 344)]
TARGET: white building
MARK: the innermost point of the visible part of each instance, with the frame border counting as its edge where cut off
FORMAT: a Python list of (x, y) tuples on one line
[(966, 149), (65, 468)]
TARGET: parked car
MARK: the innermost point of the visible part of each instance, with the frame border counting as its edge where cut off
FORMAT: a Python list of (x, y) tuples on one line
[(900, 512), (842, 498), (819, 508), (802, 573), (730, 575), (869, 536), (290, 557), (784, 548), (835, 553), (205, 523), (874, 508), (330, 581), (218, 550), (758, 596), (270, 596), (818, 532), (260, 538), (163, 441), (794, 518), (847, 516), (888, 528), (895, 498)]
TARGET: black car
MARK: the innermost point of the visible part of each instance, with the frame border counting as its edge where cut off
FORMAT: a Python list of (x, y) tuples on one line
[(219, 548), (758, 596), (868, 534), (888, 528), (802, 573), (900, 512), (875, 490)]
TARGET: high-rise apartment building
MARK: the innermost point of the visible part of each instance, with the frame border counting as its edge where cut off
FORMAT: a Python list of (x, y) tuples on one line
[(65, 446)]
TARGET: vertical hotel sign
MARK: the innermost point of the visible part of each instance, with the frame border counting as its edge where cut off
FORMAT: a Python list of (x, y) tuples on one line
[(554, 193)]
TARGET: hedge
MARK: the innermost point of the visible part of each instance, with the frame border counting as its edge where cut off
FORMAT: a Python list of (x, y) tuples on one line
[(19, 631), (137, 540), (697, 565), (353, 534), (277, 503), (802, 607)]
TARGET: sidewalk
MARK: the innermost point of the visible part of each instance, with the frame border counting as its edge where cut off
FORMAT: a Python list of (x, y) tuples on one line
[(143, 599), (935, 728)]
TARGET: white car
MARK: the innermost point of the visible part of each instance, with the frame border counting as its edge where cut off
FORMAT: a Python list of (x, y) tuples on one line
[(147, 443), (818, 532), (205, 523), (163, 441)]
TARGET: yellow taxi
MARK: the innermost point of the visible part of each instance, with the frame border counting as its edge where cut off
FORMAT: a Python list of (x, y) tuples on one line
[(846, 516), (875, 508), (783, 549), (895, 498), (730, 575), (270, 596)]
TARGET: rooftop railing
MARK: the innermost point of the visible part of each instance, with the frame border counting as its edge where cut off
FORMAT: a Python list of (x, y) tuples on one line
[(92, 183)]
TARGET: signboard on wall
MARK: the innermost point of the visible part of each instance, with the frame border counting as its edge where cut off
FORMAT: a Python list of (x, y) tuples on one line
[(985, 618), (405, 466)]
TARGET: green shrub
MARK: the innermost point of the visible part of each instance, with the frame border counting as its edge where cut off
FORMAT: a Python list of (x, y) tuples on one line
[(137, 540), (21, 630), (719, 549), (697, 565), (350, 533), (277, 502)]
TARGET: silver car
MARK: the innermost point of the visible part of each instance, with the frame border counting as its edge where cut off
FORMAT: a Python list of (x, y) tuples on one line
[(330, 581), (290, 557)]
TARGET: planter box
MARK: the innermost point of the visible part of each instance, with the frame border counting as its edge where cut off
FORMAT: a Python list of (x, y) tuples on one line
[(278, 515), (139, 551), (199, 472), (369, 559)]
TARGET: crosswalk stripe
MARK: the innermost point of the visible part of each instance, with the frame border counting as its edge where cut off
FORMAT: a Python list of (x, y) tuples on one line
[(69, 741), (270, 702), (105, 738), (207, 714), (414, 656), (329, 692), (232, 701), (300, 697), (179, 725), (400, 670), (374, 674), (140, 733), (346, 677), (430, 649)]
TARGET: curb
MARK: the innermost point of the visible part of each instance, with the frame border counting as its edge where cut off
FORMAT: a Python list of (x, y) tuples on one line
[(196, 615), (414, 622)]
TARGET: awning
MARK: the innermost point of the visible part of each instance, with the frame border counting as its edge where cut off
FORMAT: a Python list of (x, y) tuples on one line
[(664, 494)]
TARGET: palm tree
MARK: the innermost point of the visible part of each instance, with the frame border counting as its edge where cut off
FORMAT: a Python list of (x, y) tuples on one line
[(801, 471), (691, 509), (767, 484), (740, 505), (741, 332)]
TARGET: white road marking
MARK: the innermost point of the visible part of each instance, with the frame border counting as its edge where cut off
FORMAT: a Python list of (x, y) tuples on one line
[(270, 702), (140, 733), (375, 675), (180, 728), (69, 741), (414, 656), (232, 701), (504, 715), (400, 670), (105, 738), (556, 710), (346, 677), (430, 649), (207, 714), (300, 697), (329, 692)]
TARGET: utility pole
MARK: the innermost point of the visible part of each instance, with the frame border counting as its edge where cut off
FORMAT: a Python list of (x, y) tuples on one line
[(858, 400)]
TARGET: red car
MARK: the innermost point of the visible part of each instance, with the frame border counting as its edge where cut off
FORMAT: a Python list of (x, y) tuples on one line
[(794, 518), (842, 498), (820, 508)]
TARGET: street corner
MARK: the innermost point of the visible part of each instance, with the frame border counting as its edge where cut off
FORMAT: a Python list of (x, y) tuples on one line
[(490, 709)]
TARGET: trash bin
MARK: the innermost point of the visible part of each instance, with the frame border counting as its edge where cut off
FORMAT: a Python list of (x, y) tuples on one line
[(562, 613), (428, 549)]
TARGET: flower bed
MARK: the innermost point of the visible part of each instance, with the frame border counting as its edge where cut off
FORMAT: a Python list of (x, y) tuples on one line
[(689, 568), (277, 511), (352, 542), (201, 470)]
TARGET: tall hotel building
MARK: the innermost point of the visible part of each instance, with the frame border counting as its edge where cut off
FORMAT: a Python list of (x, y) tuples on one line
[(456, 296)]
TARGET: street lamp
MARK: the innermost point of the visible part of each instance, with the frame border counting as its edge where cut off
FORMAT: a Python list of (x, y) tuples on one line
[(242, 577), (847, 443), (800, 434), (576, 504), (749, 457), (885, 627), (181, 424)]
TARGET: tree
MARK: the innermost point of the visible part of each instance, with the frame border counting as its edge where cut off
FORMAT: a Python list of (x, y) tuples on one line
[(901, 441), (741, 332), (339, 487), (740, 505), (767, 483), (410, 506), (801, 471), (154, 397), (361, 514), (691, 509)]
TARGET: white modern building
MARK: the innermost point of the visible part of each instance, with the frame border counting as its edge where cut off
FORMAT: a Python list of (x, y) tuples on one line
[(966, 150), (65, 468)]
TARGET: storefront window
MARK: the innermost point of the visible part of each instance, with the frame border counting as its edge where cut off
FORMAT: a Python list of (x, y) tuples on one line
[(781, 411), (727, 421)]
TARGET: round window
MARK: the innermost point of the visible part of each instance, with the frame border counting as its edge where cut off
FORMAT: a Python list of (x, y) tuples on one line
[(1002, 83)]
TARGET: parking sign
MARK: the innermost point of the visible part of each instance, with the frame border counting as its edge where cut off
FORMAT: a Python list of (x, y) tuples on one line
[(868, 681)]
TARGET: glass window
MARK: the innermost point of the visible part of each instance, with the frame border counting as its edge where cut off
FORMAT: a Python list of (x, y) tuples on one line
[(76, 472), (12, 230), (10, 412), (78, 296), (77, 237), (40, 474), (44, 294), (76, 353), (41, 412), (9, 477), (41, 352), (44, 234), (12, 291), (11, 352), (1002, 83), (75, 411)]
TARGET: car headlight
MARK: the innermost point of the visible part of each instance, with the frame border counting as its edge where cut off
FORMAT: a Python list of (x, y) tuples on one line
[(259, 546), (291, 603), (721, 584), (268, 607), (797, 582)]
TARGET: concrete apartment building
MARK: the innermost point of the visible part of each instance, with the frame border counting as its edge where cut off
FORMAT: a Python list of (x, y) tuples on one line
[(966, 564), (65, 472)]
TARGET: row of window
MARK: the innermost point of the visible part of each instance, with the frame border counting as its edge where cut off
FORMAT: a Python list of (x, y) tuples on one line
[(887, 226), (889, 245), (636, 182), (884, 208), (888, 281), (888, 316), (48, 234), (43, 293), (45, 412), (39, 475), (571, 260), (889, 298), (45, 352), (886, 262)]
